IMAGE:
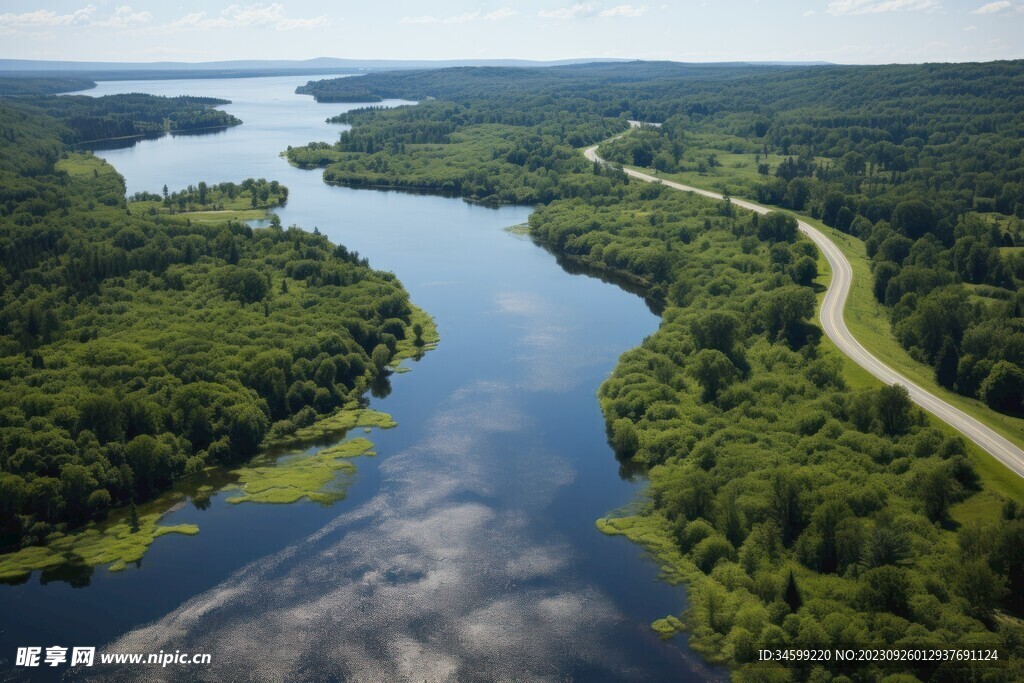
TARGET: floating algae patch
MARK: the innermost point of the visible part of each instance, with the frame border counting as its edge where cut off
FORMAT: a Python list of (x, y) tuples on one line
[(113, 544), (16, 566), (119, 545), (519, 229), (347, 419), (294, 477), (668, 627)]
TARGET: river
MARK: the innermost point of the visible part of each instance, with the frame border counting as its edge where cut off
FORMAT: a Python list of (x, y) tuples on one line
[(466, 550)]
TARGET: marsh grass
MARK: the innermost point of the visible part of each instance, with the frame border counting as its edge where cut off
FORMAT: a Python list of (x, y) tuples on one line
[(292, 478), (112, 543)]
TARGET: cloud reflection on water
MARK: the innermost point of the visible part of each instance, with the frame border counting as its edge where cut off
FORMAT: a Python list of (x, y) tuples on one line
[(443, 575)]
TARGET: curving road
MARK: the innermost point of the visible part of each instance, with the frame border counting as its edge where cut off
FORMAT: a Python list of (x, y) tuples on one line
[(835, 327)]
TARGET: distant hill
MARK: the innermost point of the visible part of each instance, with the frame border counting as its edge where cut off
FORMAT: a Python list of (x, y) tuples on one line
[(34, 77), (248, 67), (318, 63)]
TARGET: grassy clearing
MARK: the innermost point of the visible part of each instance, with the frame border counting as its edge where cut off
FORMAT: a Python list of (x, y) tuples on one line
[(243, 212), (223, 215), (735, 171), (84, 164)]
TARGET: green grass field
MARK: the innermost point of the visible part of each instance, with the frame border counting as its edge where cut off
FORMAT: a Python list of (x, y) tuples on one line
[(237, 209), (736, 171), (84, 164), (217, 216)]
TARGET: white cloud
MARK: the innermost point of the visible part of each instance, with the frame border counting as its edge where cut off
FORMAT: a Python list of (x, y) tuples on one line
[(992, 7), (577, 10), (592, 8), (271, 16), (124, 16), (45, 17), (496, 15), (428, 19), (424, 19), (623, 11), (841, 7), (462, 18), (809, 13), (499, 14), (970, 28)]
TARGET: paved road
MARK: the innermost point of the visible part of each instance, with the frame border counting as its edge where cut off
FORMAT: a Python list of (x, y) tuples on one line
[(835, 327)]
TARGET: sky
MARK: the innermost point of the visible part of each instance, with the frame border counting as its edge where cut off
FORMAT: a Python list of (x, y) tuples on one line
[(842, 31)]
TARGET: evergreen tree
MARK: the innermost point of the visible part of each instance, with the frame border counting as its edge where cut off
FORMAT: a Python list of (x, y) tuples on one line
[(946, 363), (792, 593), (134, 518)]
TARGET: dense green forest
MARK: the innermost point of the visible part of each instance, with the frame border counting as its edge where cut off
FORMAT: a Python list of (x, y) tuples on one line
[(137, 347), (925, 163), (764, 465), (14, 86), (349, 95), (90, 119), (800, 508), (482, 153)]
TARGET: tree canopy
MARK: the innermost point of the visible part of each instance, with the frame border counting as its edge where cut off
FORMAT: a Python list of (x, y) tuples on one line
[(799, 509), (138, 346)]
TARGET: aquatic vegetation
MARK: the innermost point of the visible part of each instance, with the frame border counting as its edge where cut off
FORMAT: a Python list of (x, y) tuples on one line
[(520, 229), (421, 336), (268, 479), (344, 419), (115, 544), (668, 627), (291, 478)]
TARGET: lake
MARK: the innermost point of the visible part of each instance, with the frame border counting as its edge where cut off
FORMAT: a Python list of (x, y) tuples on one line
[(466, 549)]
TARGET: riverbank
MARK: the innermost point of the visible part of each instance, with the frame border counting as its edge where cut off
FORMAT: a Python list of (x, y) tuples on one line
[(190, 348), (479, 508)]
